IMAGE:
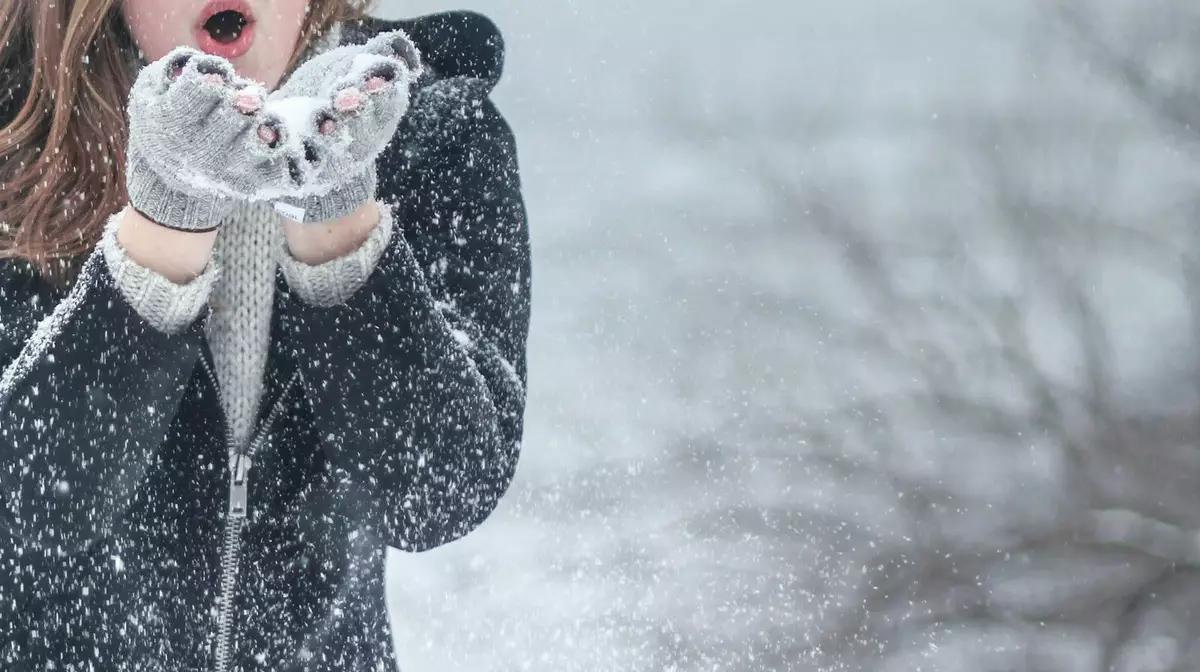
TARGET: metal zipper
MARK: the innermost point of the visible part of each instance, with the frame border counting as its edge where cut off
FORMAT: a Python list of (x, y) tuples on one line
[(239, 505)]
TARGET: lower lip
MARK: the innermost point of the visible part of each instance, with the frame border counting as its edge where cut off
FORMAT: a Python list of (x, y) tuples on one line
[(230, 50)]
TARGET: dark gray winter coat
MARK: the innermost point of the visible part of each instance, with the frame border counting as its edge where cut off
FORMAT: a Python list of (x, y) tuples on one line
[(394, 419)]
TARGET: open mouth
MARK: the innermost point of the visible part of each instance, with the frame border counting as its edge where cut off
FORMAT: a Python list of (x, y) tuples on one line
[(226, 28)]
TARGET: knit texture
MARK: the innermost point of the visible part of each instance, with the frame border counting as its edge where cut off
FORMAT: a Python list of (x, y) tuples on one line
[(339, 202), (335, 281), (191, 151), (342, 177), (167, 306), (240, 284), (239, 331)]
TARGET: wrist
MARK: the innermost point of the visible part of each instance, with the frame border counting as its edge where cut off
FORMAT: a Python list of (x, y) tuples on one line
[(314, 244), (180, 256)]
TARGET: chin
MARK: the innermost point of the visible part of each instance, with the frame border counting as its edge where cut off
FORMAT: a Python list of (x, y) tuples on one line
[(268, 77)]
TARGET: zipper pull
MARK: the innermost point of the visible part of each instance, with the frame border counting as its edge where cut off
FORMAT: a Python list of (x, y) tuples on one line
[(239, 479)]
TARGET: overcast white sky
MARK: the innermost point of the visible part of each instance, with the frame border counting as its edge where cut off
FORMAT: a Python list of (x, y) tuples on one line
[(574, 55)]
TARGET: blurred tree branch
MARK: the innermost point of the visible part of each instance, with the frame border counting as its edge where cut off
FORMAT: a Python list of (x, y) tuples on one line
[(1116, 513), (1172, 104)]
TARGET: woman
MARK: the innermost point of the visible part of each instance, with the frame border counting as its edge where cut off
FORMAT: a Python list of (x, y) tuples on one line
[(250, 334)]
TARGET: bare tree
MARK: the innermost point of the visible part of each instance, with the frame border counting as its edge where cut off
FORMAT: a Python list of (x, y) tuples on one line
[(989, 488)]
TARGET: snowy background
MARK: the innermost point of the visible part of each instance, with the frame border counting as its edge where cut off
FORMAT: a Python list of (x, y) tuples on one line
[(863, 339)]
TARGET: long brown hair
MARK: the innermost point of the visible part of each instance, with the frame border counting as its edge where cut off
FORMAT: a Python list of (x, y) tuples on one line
[(64, 78)]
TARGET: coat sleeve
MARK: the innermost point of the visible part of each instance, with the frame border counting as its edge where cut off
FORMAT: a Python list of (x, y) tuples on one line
[(416, 382), (88, 389)]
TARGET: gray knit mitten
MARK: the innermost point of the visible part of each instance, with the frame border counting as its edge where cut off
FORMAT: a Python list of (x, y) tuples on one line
[(197, 142), (338, 111)]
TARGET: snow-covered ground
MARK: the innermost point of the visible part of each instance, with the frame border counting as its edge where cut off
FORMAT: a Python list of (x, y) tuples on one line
[(713, 475)]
